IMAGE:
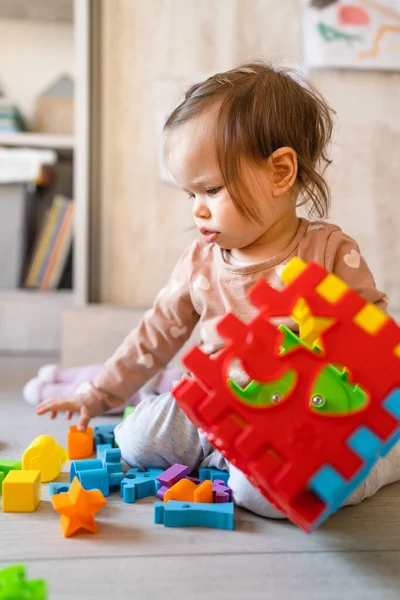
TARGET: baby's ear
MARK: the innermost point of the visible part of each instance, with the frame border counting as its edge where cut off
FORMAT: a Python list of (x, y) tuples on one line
[(283, 166)]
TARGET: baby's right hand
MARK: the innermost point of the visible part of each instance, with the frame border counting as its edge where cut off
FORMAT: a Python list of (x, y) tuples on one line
[(70, 405)]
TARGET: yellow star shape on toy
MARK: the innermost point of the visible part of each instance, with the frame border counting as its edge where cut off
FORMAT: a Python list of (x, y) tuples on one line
[(310, 326), (77, 508)]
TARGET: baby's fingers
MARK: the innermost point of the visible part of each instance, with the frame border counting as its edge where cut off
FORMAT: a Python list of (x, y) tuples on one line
[(54, 405), (84, 420)]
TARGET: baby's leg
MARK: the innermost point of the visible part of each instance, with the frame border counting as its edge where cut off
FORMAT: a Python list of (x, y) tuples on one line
[(158, 434)]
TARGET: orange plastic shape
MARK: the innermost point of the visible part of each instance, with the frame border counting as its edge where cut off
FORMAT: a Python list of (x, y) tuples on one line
[(80, 443), (182, 490), (77, 508), (185, 490), (204, 492)]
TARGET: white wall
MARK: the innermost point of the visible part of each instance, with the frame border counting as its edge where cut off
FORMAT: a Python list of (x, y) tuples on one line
[(32, 55)]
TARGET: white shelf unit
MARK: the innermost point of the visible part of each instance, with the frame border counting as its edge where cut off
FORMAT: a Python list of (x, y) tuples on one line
[(31, 319), (37, 140)]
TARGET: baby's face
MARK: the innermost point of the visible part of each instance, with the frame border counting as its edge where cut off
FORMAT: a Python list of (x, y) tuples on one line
[(193, 162)]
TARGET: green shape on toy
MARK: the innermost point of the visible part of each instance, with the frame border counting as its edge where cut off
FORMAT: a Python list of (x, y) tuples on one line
[(331, 394), (128, 411), (14, 586), (9, 465)]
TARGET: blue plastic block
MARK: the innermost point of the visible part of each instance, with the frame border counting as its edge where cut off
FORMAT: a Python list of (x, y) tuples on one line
[(104, 434), (213, 474), (194, 514), (112, 460), (83, 465), (392, 403), (139, 484), (101, 448), (56, 487), (95, 479)]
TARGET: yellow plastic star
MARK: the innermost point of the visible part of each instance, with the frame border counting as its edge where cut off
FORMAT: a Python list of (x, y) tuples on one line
[(77, 508), (310, 326)]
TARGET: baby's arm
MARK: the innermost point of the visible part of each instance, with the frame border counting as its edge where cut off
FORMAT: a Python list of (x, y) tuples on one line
[(344, 259), (145, 351)]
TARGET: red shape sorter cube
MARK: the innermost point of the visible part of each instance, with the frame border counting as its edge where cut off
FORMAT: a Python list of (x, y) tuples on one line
[(283, 447)]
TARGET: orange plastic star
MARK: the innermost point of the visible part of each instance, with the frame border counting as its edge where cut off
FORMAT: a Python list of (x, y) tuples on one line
[(77, 508)]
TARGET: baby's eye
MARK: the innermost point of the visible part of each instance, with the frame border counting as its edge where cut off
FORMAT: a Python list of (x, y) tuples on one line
[(214, 191), (191, 196)]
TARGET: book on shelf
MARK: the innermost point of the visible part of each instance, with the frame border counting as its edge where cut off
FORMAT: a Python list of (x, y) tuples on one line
[(51, 252)]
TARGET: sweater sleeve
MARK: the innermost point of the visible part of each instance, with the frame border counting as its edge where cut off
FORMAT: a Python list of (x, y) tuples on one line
[(147, 349), (344, 259)]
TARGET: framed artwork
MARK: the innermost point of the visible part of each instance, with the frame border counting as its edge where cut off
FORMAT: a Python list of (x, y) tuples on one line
[(353, 34)]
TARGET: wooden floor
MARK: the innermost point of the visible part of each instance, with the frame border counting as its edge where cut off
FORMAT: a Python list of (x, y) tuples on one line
[(355, 555)]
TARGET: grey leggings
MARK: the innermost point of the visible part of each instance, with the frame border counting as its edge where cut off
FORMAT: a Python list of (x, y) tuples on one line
[(158, 434)]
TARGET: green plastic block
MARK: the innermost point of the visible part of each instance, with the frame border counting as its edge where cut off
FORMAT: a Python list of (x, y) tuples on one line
[(14, 586), (128, 410), (9, 465)]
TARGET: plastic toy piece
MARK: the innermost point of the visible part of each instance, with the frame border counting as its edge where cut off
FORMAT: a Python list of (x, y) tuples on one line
[(91, 474), (84, 465), (170, 476), (101, 448), (1, 479), (56, 487), (128, 411), (221, 492), (104, 434), (14, 586), (9, 465), (45, 455), (139, 484), (204, 492), (194, 514), (112, 462), (182, 490), (21, 491), (213, 474), (80, 443), (282, 448), (77, 508)]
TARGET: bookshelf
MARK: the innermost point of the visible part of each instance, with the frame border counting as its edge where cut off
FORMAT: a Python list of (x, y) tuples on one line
[(31, 319), (37, 140)]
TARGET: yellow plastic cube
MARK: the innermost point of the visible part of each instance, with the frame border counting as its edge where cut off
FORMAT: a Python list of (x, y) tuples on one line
[(22, 491)]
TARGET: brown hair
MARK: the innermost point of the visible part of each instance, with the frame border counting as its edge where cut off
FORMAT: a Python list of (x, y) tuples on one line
[(262, 109)]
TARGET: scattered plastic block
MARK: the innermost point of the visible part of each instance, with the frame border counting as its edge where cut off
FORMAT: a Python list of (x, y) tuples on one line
[(77, 508), (204, 492), (212, 474), (84, 465), (221, 492), (9, 465), (56, 487), (14, 586), (170, 476), (95, 479), (128, 411), (139, 484), (100, 449), (45, 455), (80, 443), (1, 479), (112, 462), (104, 434), (182, 490), (91, 474), (194, 514), (21, 491)]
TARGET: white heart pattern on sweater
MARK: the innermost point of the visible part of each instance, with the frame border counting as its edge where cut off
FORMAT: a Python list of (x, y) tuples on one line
[(201, 283), (147, 360), (177, 331), (353, 259)]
